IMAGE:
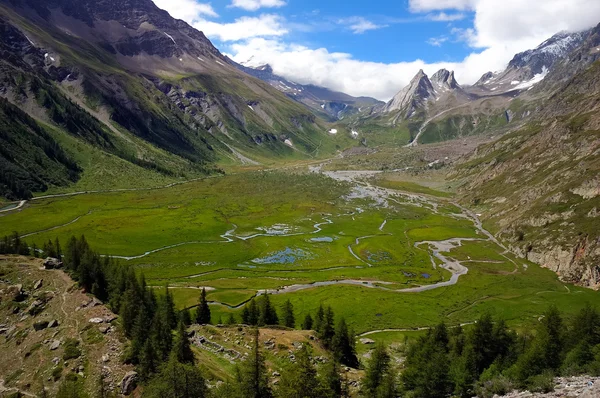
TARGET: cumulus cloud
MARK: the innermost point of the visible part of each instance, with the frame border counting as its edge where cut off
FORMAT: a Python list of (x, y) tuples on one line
[(359, 25), (341, 72), (188, 10), (253, 5), (265, 25), (498, 32)]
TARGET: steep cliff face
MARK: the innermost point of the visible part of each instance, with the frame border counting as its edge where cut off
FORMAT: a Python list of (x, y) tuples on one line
[(539, 185)]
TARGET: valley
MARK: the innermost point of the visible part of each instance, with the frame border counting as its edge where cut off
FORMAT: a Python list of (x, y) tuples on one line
[(410, 259), (177, 223)]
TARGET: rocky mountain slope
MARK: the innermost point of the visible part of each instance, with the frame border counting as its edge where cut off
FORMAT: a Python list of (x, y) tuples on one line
[(129, 80), (539, 184), (50, 329), (324, 102)]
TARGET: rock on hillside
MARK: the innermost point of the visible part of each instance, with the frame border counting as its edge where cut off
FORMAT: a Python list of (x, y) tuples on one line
[(35, 329)]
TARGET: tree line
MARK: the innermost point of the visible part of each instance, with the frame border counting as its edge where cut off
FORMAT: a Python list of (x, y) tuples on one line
[(489, 358)]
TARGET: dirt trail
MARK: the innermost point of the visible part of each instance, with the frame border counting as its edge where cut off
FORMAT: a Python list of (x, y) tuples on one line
[(414, 142)]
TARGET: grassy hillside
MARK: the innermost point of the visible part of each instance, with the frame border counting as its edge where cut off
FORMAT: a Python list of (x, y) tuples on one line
[(538, 185)]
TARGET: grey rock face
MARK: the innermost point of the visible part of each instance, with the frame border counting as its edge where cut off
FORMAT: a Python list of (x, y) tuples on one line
[(129, 382)]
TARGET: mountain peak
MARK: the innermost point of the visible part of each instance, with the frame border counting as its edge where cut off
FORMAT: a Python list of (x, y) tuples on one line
[(445, 79), (265, 68), (413, 96)]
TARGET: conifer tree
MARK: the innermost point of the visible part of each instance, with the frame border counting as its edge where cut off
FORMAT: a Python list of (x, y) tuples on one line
[(318, 323), (288, 314), (250, 313), (327, 328), (299, 380), (177, 380), (268, 315), (181, 349), (203, 312), (377, 369), (148, 360), (185, 317), (343, 345), (167, 306), (331, 385), (161, 334), (253, 379), (307, 324), (231, 319)]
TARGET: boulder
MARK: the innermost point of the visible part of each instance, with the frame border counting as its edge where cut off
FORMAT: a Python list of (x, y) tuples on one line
[(55, 344), (367, 341), (96, 320), (104, 329), (38, 284), (41, 325), (51, 263), (53, 323), (36, 307), (129, 382), (15, 293)]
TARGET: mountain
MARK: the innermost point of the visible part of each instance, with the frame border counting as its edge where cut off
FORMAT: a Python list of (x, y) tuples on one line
[(331, 104), (530, 67), (416, 95), (126, 79), (423, 94), (539, 184)]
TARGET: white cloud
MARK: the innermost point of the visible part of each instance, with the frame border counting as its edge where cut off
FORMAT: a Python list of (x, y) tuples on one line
[(498, 32), (437, 41), (340, 71), (443, 17), (253, 5), (433, 5), (266, 25), (359, 25), (188, 10)]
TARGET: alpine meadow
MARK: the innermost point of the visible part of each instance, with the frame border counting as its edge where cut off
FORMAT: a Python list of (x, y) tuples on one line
[(178, 220)]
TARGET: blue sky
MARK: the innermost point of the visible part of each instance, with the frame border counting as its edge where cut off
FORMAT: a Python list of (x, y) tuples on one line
[(374, 47), (392, 34)]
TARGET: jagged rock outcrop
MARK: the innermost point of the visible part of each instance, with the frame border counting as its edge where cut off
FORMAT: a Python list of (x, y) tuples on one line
[(412, 97), (444, 79)]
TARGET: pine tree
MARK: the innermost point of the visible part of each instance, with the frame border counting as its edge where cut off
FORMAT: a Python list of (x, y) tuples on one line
[(319, 318), (268, 315), (161, 334), (288, 314), (327, 329), (426, 371), (203, 312), (250, 313), (253, 379), (139, 334), (377, 368), (343, 345), (307, 324), (231, 319), (177, 380), (167, 305), (185, 317), (331, 385), (148, 361), (299, 380), (181, 349)]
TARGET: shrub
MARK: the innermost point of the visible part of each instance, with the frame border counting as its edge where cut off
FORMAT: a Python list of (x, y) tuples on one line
[(72, 349), (543, 383), (57, 372)]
